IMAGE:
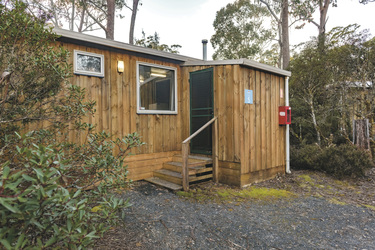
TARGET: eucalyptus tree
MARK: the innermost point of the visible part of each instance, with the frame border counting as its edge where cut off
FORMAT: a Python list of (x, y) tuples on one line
[(84, 15), (328, 90), (134, 11), (153, 42), (241, 31), (279, 11)]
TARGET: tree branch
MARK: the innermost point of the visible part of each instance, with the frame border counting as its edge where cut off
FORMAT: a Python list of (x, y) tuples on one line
[(270, 10), (94, 18)]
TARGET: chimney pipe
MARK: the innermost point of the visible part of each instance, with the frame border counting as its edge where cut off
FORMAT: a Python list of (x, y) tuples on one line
[(204, 42)]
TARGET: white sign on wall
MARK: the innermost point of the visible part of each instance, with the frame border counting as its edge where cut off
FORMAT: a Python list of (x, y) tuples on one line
[(248, 96)]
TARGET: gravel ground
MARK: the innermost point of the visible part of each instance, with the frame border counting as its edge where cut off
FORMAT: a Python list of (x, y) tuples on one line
[(159, 219)]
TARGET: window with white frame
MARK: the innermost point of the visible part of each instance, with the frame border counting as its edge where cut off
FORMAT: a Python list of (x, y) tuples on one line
[(90, 64), (157, 89)]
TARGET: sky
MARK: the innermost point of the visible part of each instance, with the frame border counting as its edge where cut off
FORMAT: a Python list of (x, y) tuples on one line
[(187, 22)]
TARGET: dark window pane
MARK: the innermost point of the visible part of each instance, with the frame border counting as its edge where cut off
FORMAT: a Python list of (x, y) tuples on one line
[(157, 88)]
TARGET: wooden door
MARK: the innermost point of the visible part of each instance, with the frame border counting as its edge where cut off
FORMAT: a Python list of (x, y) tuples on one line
[(201, 110)]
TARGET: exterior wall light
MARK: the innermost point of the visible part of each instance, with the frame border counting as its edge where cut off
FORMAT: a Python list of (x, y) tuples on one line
[(120, 66)]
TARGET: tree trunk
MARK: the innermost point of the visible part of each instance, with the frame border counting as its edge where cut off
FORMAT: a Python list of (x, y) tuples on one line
[(361, 132), (71, 25), (323, 10), (280, 59), (315, 123), (132, 22), (82, 19), (285, 34), (110, 30)]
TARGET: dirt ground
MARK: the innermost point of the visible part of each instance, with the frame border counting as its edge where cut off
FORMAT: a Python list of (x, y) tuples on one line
[(303, 210)]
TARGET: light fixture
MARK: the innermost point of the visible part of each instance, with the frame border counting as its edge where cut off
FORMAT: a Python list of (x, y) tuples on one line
[(158, 72), (158, 75), (120, 66)]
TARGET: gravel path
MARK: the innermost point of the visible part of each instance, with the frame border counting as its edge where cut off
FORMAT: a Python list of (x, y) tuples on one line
[(159, 219)]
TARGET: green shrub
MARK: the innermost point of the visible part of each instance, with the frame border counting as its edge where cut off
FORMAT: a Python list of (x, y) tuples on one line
[(340, 161), (43, 201), (53, 193), (304, 156), (345, 160)]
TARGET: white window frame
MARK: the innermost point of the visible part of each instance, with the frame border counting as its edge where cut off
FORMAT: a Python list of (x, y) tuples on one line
[(167, 112), (84, 72)]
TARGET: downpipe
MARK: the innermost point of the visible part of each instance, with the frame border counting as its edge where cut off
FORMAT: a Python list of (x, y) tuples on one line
[(287, 146)]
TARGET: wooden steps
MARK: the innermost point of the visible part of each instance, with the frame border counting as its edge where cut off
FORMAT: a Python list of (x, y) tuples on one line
[(163, 183), (170, 176)]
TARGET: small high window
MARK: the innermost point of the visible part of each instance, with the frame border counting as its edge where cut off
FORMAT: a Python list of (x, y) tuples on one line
[(90, 64), (157, 89)]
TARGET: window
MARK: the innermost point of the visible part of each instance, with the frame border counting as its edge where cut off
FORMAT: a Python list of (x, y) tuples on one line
[(157, 89), (90, 64)]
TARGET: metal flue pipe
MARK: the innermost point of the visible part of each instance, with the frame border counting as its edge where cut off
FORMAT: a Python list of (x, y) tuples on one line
[(204, 43)]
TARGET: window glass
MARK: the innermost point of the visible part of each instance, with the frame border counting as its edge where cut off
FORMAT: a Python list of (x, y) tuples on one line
[(90, 64), (157, 89)]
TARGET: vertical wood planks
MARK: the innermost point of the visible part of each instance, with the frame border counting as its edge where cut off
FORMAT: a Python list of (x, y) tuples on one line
[(229, 89), (274, 120), (268, 121), (252, 125), (237, 112), (263, 120), (257, 103), (246, 133)]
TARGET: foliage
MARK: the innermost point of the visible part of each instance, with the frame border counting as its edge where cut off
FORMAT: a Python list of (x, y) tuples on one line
[(53, 193), (341, 161), (329, 88), (240, 33), (27, 57), (153, 42), (44, 200), (81, 15)]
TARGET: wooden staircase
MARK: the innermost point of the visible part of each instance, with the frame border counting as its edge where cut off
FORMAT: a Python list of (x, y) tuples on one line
[(170, 176)]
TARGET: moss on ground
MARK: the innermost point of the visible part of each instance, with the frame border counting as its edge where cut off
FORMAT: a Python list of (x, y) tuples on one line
[(370, 207), (230, 195), (337, 202)]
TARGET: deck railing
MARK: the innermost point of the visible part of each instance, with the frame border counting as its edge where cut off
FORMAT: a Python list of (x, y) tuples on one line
[(215, 150)]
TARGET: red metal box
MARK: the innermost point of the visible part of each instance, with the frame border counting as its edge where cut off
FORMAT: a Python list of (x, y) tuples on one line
[(285, 115)]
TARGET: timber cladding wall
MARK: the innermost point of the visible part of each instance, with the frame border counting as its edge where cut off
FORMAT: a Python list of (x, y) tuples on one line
[(251, 143), (116, 110)]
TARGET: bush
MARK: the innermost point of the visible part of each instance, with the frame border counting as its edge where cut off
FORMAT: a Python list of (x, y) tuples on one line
[(53, 193), (304, 156), (42, 206), (340, 161)]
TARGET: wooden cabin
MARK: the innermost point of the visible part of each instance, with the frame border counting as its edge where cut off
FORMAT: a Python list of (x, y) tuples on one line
[(166, 97)]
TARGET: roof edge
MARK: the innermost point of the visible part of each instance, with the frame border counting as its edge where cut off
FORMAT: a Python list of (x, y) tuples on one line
[(245, 62), (120, 45)]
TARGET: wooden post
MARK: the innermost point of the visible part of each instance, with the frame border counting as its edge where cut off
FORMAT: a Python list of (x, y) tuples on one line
[(185, 171), (215, 156), (185, 154)]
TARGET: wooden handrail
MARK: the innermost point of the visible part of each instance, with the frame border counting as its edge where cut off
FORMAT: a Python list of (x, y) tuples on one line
[(200, 130), (185, 153)]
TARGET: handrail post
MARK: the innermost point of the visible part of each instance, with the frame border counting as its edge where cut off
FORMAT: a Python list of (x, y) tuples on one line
[(185, 171), (215, 156), (185, 154)]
